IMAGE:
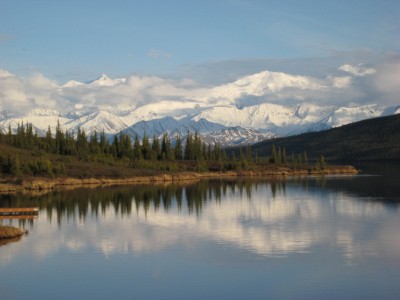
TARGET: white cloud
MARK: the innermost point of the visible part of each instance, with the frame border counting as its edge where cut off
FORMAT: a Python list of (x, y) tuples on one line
[(263, 226), (357, 70), (21, 94)]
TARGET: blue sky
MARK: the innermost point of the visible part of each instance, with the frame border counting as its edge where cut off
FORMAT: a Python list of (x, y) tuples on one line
[(80, 39)]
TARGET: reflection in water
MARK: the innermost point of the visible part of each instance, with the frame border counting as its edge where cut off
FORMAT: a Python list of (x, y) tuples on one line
[(268, 218), (9, 240)]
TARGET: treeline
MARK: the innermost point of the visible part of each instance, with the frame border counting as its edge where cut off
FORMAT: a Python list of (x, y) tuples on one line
[(97, 147), (155, 153)]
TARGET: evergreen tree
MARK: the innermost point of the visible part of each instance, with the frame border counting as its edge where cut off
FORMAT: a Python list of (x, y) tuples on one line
[(197, 146), (305, 157), (204, 151), (210, 153), (299, 159), (284, 158), (126, 143), (115, 148), (241, 156), (178, 152), (137, 149), (82, 145), (233, 157), (156, 149), (48, 141), (217, 152), (322, 162), (189, 147), (15, 166), (146, 148), (9, 135), (70, 144), (223, 156), (274, 157), (248, 154), (103, 143), (279, 157), (59, 140), (166, 149), (94, 146)]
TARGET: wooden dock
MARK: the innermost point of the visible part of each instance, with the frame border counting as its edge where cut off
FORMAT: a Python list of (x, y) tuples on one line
[(19, 212)]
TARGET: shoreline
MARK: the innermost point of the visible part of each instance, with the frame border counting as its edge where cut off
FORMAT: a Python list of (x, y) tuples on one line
[(10, 232), (47, 184)]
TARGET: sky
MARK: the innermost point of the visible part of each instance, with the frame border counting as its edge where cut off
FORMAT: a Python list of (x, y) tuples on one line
[(209, 41)]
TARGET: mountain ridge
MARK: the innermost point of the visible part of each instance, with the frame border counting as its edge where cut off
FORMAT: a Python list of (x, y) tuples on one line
[(371, 139), (245, 107)]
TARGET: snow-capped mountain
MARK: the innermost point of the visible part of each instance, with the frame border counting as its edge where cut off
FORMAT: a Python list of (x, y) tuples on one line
[(236, 136), (232, 113), (104, 80), (98, 121)]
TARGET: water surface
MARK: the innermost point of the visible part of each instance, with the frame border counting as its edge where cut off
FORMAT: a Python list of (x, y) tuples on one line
[(303, 238)]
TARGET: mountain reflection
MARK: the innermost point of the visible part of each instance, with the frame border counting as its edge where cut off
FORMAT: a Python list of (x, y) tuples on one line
[(269, 218)]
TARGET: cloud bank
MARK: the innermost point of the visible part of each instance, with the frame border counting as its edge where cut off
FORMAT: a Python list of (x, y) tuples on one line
[(349, 83)]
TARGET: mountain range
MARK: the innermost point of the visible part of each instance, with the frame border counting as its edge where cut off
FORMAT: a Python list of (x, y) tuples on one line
[(231, 114)]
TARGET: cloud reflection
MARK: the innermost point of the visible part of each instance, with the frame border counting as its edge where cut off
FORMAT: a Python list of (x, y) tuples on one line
[(265, 221)]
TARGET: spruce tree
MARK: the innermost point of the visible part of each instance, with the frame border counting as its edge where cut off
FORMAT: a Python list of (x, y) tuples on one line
[(274, 156), (189, 147), (178, 151), (305, 157), (279, 157), (155, 149), (248, 154), (284, 158), (137, 149), (146, 148)]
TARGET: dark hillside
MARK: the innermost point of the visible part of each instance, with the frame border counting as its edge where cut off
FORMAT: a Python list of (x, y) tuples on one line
[(373, 139)]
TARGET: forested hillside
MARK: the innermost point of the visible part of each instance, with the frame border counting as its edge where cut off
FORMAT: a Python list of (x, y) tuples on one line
[(373, 139)]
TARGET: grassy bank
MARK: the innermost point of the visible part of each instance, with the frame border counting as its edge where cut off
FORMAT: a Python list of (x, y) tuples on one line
[(78, 172), (27, 184), (9, 232)]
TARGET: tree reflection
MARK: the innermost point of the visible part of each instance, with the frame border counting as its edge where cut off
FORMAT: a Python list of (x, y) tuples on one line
[(184, 197), (79, 203)]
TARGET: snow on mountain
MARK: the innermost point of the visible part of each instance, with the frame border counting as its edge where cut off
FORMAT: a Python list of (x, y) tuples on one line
[(97, 121), (104, 80), (236, 136), (72, 84), (228, 125), (172, 127), (391, 111), (345, 115), (263, 83), (41, 120), (161, 109), (232, 112), (264, 116)]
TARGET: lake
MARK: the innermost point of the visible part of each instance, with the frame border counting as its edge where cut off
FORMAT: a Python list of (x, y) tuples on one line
[(332, 237)]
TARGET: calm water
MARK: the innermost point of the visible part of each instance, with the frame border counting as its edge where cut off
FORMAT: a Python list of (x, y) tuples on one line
[(310, 238)]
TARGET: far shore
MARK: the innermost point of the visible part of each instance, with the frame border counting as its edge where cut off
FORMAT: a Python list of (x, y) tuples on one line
[(32, 184)]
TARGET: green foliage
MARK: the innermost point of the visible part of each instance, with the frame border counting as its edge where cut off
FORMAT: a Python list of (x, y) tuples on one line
[(373, 139), (196, 155), (14, 166), (274, 156)]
